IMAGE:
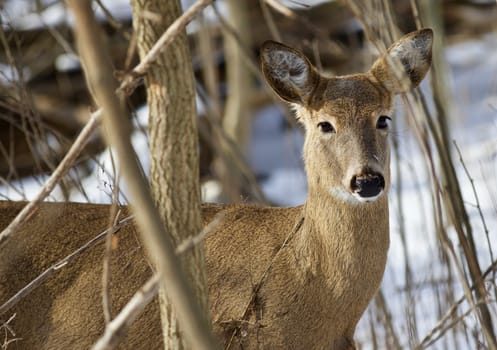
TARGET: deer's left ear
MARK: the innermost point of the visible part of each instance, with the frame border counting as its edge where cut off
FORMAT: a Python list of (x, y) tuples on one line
[(288, 72), (413, 51)]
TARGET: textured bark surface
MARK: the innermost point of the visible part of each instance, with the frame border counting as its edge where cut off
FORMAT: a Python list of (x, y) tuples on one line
[(237, 113), (173, 146), (236, 120)]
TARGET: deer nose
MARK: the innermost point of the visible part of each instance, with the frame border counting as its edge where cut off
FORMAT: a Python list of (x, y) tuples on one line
[(367, 185)]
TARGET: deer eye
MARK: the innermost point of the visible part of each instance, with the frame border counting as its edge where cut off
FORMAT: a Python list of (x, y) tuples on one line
[(326, 127), (383, 122)]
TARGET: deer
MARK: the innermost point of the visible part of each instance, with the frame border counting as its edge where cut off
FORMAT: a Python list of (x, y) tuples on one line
[(279, 278)]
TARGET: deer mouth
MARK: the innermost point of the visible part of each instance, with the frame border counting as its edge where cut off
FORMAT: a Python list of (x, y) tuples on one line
[(367, 187)]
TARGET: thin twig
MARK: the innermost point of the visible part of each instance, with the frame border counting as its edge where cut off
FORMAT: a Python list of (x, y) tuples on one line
[(268, 17), (257, 287), (117, 327), (389, 323), (58, 265), (287, 12), (193, 241), (9, 332), (106, 303), (94, 120), (439, 328), (250, 63), (477, 199), (231, 151), (56, 176), (129, 313), (182, 247), (113, 217), (169, 35), (451, 311), (112, 20)]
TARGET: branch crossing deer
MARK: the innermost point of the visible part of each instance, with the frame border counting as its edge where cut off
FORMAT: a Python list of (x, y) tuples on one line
[(278, 278)]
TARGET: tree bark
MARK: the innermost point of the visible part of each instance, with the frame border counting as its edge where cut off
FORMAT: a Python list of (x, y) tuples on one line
[(173, 148), (237, 113)]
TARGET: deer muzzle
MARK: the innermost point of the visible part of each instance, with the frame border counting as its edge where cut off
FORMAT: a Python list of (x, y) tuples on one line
[(368, 186)]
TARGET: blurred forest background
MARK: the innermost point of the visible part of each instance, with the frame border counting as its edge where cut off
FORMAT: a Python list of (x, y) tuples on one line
[(439, 288)]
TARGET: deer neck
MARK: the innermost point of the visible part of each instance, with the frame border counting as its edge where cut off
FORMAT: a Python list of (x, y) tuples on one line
[(336, 230)]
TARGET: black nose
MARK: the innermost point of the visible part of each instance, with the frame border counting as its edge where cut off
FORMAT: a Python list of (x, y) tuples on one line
[(368, 185)]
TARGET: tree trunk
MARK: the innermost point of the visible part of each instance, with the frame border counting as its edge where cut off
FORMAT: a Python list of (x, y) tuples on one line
[(237, 113), (173, 148)]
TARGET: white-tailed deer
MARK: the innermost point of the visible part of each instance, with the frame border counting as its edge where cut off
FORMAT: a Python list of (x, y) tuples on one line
[(279, 278)]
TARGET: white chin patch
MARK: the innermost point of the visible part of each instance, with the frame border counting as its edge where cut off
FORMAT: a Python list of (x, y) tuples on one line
[(367, 199), (352, 198)]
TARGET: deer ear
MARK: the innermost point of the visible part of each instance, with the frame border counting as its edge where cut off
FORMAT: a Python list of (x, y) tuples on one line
[(413, 51), (288, 72)]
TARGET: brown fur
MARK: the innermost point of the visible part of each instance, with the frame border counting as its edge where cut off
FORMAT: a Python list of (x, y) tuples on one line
[(279, 278)]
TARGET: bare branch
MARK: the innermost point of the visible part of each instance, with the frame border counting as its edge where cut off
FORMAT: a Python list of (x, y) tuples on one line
[(174, 29), (56, 176), (94, 120), (157, 241), (191, 242), (114, 217), (60, 264), (181, 249), (129, 313), (10, 335), (117, 327)]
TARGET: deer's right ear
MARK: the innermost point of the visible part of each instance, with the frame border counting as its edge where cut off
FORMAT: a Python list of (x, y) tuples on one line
[(288, 72), (413, 52)]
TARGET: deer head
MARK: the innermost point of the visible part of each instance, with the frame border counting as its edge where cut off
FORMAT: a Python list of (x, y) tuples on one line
[(347, 118)]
